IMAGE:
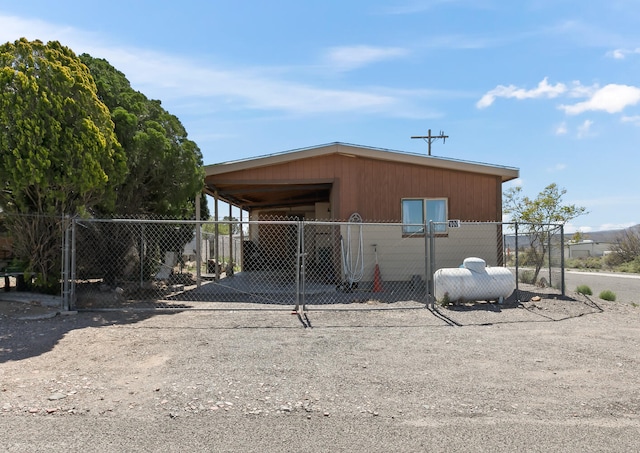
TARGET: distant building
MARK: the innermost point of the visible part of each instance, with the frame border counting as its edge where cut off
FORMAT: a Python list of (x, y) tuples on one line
[(586, 249)]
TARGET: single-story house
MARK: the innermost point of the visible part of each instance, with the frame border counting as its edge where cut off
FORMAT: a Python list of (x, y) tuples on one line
[(333, 181)]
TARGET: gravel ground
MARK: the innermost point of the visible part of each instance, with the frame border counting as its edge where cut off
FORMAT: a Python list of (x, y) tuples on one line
[(547, 375)]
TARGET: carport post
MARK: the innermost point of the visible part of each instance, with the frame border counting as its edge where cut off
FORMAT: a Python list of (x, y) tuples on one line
[(240, 253), (216, 233), (230, 239)]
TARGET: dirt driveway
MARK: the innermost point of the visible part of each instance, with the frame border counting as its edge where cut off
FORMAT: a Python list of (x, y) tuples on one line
[(549, 375)]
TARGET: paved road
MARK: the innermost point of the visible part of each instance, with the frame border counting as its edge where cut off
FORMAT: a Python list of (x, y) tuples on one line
[(323, 434), (625, 286)]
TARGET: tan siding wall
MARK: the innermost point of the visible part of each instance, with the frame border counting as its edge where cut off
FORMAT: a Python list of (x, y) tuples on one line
[(478, 240), (398, 257), (402, 257)]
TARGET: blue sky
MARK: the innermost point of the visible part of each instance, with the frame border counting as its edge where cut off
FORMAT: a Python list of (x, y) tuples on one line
[(551, 87)]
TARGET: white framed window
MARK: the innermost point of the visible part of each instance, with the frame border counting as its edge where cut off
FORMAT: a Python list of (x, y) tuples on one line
[(416, 210)]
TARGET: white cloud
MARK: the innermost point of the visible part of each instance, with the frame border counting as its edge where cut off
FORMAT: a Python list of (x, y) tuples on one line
[(353, 57), (561, 129), (621, 54), (13, 28), (557, 167), (518, 182), (543, 90), (244, 87), (570, 228), (618, 54), (421, 6), (578, 90), (635, 119), (611, 98), (616, 226), (584, 129), (171, 77)]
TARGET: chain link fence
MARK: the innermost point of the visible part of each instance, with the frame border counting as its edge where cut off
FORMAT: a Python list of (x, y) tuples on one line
[(127, 264), (279, 263)]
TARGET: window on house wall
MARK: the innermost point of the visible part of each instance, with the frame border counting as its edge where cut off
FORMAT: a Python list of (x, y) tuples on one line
[(416, 210)]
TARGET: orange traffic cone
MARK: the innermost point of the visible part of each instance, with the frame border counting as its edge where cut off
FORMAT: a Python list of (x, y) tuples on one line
[(377, 281)]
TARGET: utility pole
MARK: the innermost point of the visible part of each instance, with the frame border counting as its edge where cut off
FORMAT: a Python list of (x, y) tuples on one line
[(431, 138)]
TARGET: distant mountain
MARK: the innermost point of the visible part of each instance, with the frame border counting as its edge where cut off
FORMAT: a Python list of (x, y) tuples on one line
[(606, 235)]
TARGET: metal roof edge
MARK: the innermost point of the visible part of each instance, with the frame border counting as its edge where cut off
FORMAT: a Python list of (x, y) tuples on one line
[(507, 173)]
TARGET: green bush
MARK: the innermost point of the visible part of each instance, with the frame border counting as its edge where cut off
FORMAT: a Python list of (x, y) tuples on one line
[(607, 295), (526, 277), (584, 289), (445, 301), (613, 259), (631, 266), (573, 263), (591, 262), (40, 285)]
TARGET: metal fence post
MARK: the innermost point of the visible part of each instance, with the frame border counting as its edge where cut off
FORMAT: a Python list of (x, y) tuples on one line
[(142, 253), (430, 262), (72, 295), (562, 288), (299, 267), (432, 258), (66, 243), (297, 272), (199, 241), (517, 259), (303, 252), (549, 253), (63, 262)]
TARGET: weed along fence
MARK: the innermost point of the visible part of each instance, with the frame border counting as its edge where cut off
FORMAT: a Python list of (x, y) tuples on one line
[(281, 264)]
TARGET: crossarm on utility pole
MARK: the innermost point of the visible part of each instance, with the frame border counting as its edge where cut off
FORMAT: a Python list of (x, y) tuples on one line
[(431, 138)]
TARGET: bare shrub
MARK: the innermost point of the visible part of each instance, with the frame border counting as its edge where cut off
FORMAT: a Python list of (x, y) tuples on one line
[(626, 247)]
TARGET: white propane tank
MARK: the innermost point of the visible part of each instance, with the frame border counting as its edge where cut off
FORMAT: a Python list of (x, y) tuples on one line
[(473, 281)]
